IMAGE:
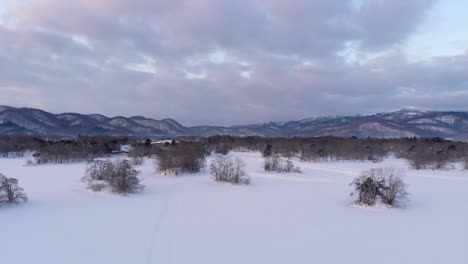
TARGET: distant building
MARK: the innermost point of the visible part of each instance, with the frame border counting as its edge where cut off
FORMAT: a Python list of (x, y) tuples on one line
[(162, 142)]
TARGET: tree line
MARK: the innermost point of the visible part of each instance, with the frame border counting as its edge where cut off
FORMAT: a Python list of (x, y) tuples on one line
[(186, 154)]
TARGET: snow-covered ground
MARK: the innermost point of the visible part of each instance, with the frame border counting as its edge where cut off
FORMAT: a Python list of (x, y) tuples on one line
[(291, 218)]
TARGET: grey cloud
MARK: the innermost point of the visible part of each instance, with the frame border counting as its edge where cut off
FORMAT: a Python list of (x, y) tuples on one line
[(384, 23), (290, 48)]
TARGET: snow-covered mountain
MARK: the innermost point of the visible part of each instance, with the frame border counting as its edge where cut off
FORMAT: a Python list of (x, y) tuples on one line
[(38, 122), (401, 123)]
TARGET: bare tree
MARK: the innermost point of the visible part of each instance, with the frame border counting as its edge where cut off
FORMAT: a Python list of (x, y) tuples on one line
[(10, 192), (100, 170), (382, 184), (124, 179), (367, 188), (394, 189), (119, 176), (228, 170)]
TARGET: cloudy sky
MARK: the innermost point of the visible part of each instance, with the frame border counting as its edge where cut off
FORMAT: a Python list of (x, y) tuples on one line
[(233, 62)]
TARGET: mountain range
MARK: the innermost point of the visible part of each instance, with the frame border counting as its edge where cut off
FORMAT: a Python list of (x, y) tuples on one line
[(401, 123)]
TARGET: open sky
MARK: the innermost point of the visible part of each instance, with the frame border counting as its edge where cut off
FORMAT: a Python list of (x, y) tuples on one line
[(233, 62)]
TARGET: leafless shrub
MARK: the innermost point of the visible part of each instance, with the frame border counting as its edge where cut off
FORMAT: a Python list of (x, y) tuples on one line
[(124, 179), (465, 162), (382, 184), (119, 176), (228, 170), (277, 164), (100, 170), (394, 190), (10, 192)]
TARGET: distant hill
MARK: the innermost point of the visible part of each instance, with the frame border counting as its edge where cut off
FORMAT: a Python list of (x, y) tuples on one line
[(401, 123)]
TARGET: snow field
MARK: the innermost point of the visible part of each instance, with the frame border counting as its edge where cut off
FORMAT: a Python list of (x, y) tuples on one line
[(279, 218)]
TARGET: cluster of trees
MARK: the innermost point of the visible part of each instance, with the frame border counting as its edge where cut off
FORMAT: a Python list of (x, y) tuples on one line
[(307, 149), (225, 169), (180, 158), (16, 146), (383, 184), (13, 146), (9, 149), (60, 150), (67, 152), (10, 192), (225, 144), (434, 154), (119, 176), (81, 149), (421, 153)]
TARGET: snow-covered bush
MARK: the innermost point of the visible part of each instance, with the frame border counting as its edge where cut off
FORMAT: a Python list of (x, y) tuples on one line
[(383, 184), (10, 192), (119, 176), (229, 170), (277, 164)]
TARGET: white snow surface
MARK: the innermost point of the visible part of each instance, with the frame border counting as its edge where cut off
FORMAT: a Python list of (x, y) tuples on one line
[(449, 119), (423, 121), (383, 130), (279, 218), (438, 129)]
